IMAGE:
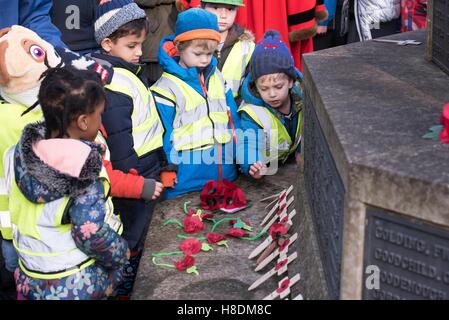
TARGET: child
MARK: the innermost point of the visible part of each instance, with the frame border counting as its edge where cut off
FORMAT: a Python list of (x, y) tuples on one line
[(236, 44), (129, 114), (198, 112), (133, 128), (272, 101), (65, 230)]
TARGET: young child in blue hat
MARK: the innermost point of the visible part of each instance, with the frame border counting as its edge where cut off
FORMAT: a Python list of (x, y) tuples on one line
[(272, 104)]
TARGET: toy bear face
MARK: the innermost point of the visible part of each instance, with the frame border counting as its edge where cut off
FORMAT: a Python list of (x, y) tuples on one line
[(24, 56)]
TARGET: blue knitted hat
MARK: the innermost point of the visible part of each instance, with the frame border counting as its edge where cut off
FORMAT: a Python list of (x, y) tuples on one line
[(271, 55), (114, 14), (196, 23)]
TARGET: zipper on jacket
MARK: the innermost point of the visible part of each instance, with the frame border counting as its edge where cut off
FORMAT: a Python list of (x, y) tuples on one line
[(203, 86)]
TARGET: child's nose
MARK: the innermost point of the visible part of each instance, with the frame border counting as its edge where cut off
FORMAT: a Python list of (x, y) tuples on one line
[(223, 13)]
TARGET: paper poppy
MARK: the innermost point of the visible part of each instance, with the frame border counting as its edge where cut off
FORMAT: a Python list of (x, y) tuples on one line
[(185, 263), (214, 237), (190, 246), (284, 286), (444, 134), (277, 230), (193, 224), (236, 232)]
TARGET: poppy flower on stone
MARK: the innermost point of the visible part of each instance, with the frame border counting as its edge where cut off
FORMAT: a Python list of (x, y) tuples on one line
[(190, 246), (236, 232), (185, 263), (214, 237), (193, 224)]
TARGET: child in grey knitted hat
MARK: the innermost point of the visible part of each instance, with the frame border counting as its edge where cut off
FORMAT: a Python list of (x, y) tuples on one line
[(120, 29), (130, 119)]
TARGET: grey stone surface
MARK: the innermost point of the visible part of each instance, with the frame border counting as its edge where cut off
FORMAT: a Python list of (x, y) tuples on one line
[(374, 102), (224, 273)]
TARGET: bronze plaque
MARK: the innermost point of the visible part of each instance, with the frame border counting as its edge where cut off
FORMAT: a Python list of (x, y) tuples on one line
[(411, 257)]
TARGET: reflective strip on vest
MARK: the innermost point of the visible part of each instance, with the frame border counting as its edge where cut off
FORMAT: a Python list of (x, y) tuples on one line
[(235, 66), (12, 125), (45, 247), (199, 121), (277, 140), (147, 128), (5, 188)]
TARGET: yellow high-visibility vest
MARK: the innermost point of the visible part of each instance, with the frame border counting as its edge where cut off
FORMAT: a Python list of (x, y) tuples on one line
[(12, 125), (235, 66), (278, 143), (147, 129), (45, 245), (199, 121)]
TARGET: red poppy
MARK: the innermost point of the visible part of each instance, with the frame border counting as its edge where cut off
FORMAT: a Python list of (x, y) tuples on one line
[(281, 209), (214, 237), (193, 224), (284, 286), (283, 244), (185, 263), (237, 232), (277, 230), (281, 264), (223, 195), (202, 215), (190, 246), (444, 134)]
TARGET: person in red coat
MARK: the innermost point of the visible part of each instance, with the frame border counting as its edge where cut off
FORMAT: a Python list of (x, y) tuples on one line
[(295, 20)]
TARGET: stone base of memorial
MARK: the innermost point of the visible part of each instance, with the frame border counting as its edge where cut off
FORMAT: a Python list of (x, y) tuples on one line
[(378, 191)]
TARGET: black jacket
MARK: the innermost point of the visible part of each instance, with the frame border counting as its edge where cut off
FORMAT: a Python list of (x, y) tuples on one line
[(116, 119)]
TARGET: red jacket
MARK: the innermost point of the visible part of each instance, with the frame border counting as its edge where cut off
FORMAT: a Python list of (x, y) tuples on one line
[(123, 185), (295, 20)]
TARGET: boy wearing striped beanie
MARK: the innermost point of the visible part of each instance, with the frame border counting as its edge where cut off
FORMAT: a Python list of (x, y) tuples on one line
[(272, 101), (133, 130)]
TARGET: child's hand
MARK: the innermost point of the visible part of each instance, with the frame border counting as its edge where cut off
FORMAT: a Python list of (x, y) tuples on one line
[(158, 190), (257, 170)]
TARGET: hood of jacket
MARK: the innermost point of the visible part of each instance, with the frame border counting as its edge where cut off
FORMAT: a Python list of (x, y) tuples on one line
[(190, 76), (110, 62), (46, 173)]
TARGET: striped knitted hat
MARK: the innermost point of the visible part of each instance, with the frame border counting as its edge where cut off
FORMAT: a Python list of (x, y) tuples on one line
[(114, 14)]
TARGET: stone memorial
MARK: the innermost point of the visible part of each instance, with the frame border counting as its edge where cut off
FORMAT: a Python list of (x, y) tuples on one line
[(378, 192)]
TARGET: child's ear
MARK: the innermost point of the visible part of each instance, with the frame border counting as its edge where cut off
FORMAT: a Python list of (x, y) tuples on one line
[(290, 83), (106, 44), (82, 122)]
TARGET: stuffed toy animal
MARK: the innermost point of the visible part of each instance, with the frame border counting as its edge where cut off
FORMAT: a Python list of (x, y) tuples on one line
[(24, 56)]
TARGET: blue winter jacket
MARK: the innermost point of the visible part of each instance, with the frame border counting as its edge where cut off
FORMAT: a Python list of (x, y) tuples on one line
[(331, 6), (193, 176), (32, 14), (253, 146)]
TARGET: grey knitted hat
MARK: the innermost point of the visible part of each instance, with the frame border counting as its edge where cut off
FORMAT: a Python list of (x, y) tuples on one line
[(114, 14)]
